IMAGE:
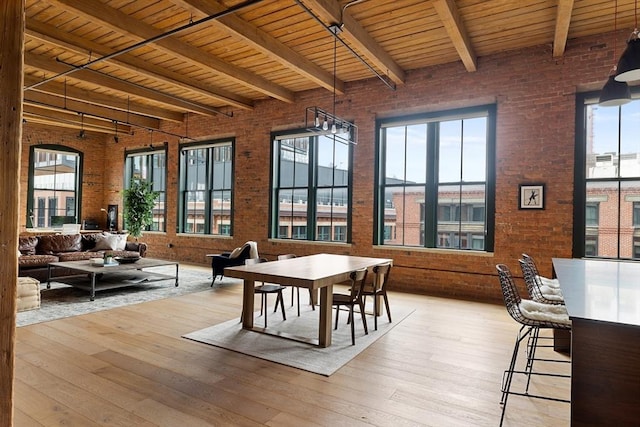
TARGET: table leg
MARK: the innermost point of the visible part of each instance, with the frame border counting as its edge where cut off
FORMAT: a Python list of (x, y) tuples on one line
[(49, 276), (93, 286), (326, 304), (248, 295)]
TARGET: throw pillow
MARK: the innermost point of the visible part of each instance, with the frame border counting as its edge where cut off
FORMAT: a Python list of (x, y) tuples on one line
[(121, 240), (106, 243), (111, 242)]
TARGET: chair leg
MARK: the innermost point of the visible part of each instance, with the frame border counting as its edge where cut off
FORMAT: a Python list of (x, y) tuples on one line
[(386, 303), (531, 355), (281, 299), (337, 311), (364, 319), (506, 380), (353, 328), (313, 306), (264, 304), (376, 308)]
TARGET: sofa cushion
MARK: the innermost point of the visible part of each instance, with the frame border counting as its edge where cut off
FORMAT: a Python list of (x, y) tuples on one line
[(57, 243), (27, 245), (27, 261), (78, 256)]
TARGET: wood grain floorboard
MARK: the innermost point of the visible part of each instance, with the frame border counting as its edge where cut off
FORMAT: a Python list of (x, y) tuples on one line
[(441, 366)]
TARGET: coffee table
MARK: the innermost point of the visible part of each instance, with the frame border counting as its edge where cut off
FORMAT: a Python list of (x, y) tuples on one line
[(96, 272)]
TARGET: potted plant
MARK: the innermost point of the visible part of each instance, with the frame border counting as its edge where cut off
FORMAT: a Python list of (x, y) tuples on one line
[(139, 200)]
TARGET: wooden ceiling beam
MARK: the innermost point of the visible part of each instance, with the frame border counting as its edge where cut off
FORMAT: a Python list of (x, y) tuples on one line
[(330, 12), (74, 120), (450, 17), (72, 43), (263, 42), (49, 101), (130, 108), (115, 20), (563, 19), (122, 86)]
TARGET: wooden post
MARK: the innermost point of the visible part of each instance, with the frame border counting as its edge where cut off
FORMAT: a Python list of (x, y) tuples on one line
[(12, 21)]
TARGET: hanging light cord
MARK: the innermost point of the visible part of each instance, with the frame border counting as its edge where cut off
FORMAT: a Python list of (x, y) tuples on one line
[(615, 34), (335, 48)]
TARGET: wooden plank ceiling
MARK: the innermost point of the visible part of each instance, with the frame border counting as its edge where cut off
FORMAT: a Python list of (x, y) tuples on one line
[(93, 64)]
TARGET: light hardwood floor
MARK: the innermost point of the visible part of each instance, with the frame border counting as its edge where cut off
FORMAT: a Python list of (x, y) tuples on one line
[(129, 366)]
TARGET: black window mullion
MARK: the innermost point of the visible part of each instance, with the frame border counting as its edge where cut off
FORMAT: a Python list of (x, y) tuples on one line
[(431, 188)]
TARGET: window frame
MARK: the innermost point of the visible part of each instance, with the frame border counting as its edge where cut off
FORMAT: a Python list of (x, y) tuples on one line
[(312, 188), (580, 235), (30, 218), (148, 153), (208, 227), (429, 219)]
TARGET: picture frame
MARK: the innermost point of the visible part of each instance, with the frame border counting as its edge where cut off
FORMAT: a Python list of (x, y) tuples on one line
[(531, 196)]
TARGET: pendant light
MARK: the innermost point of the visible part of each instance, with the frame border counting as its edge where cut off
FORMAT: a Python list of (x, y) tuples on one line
[(614, 92), (629, 63), (321, 122)]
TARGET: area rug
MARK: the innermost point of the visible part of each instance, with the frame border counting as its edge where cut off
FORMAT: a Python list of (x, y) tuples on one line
[(322, 361), (64, 301)]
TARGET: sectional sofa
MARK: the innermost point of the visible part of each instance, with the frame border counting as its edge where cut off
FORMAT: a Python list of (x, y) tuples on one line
[(36, 252)]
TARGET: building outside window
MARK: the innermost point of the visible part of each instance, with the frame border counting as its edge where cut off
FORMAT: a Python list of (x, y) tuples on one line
[(607, 182), (206, 188), (311, 178), (435, 185), (54, 186), (150, 166)]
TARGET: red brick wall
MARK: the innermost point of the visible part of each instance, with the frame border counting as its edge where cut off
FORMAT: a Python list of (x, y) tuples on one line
[(535, 97), (93, 183)]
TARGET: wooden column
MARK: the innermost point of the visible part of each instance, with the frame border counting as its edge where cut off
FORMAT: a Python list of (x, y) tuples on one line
[(11, 83)]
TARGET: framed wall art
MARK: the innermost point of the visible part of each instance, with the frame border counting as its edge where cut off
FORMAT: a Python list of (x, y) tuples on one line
[(531, 196)]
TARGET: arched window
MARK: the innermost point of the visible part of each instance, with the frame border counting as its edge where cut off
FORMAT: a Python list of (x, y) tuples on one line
[(53, 196)]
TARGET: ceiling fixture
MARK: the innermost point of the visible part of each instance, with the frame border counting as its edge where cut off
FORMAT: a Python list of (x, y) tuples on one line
[(322, 122), (629, 63), (115, 137), (614, 92), (82, 134)]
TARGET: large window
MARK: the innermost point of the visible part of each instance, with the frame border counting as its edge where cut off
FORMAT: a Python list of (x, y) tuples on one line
[(435, 185), (607, 180), (150, 166), (206, 190), (311, 188), (54, 186)]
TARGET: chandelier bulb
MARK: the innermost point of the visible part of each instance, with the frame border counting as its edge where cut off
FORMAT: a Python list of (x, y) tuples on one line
[(325, 124), (333, 128)]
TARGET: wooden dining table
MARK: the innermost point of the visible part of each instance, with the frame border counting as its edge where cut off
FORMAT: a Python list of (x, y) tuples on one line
[(315, 272)]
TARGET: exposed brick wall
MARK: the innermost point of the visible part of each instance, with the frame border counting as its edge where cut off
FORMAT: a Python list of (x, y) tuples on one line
[(535, 97)]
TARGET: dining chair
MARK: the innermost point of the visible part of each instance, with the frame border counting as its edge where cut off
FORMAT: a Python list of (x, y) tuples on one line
[(295, 289), (265, 289), (532, 317), (356, 282), (378, 289)]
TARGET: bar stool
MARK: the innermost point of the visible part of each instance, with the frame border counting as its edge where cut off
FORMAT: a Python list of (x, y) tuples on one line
[(532, 316)]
